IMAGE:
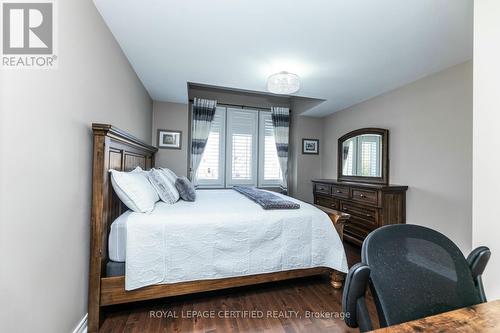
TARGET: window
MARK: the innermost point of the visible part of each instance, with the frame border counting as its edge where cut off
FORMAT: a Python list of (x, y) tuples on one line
[(241, 139), (211, 170), (268, 159), (240, 150)]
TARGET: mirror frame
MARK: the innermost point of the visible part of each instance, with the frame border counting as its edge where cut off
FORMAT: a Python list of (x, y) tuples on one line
[(384, 179)]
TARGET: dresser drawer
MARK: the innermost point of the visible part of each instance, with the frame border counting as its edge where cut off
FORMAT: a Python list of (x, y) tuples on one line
[(340, 191), (367, 215), (326, 202), (322, 188), (360, 223), (365, 196), (356, 231)]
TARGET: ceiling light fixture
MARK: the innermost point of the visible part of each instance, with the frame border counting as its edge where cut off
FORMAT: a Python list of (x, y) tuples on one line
[(283, 83)]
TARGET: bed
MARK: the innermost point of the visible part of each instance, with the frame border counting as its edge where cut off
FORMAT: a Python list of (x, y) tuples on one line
[(223, 246)]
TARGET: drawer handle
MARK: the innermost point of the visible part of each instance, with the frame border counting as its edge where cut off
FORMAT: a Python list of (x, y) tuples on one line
[(362, 196), (346, 210), (338, 191)]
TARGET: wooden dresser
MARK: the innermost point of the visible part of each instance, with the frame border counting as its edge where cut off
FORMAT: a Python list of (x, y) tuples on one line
[(370, 205)]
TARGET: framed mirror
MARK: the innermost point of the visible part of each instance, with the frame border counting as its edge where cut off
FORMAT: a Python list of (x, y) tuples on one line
[(363, 156)]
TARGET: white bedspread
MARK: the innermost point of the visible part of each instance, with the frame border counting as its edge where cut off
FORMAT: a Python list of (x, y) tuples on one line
[(224, 234)]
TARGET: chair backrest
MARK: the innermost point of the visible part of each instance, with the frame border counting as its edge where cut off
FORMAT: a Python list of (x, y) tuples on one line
[(416, 272)]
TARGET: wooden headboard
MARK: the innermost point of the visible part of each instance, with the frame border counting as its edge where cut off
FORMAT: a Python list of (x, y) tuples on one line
[(118, 150)]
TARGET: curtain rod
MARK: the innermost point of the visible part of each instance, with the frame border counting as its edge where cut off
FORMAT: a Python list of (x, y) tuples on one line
[(241, 106)]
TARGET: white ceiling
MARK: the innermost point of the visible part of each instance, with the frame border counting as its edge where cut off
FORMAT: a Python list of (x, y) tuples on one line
[(345, 51)]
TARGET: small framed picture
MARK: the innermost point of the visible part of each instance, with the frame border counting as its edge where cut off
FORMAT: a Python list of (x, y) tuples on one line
[(310, 146), (168, 139)]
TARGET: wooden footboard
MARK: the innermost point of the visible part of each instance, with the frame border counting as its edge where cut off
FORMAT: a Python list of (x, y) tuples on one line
[(113, 288)]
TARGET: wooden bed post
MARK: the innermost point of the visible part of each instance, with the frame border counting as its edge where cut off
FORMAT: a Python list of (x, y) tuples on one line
[(96, 232), (337, 279), (339, 220), (113, 149)]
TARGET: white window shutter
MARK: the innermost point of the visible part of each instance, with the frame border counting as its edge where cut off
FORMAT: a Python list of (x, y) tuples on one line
[(241, 147)]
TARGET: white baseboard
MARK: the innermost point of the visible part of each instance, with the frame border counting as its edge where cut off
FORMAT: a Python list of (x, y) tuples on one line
[(82, 326)]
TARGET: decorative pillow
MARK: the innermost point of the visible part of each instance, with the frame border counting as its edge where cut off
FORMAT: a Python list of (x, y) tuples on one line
[(186, 189), (164, 186), (134, 190), (169, 174)]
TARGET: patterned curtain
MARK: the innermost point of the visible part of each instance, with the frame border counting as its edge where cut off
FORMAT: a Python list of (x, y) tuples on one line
[(203, 114), (281, 124)]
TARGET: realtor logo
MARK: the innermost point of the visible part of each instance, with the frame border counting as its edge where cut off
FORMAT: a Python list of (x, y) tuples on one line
[(28, 34)]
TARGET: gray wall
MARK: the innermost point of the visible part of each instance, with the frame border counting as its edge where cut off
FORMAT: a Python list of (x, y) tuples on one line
[(303, 168), (171, 116), (45, 169), (430, 124), (486, 226)]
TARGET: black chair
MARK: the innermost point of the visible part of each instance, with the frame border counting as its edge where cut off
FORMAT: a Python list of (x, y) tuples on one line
[(413, 272)]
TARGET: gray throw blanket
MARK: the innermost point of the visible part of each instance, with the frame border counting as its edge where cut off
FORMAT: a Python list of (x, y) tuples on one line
[(265, 199)]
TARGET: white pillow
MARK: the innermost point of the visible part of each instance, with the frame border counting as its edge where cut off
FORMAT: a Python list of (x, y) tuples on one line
[(139, 169), (134, 190), (162, 183)]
